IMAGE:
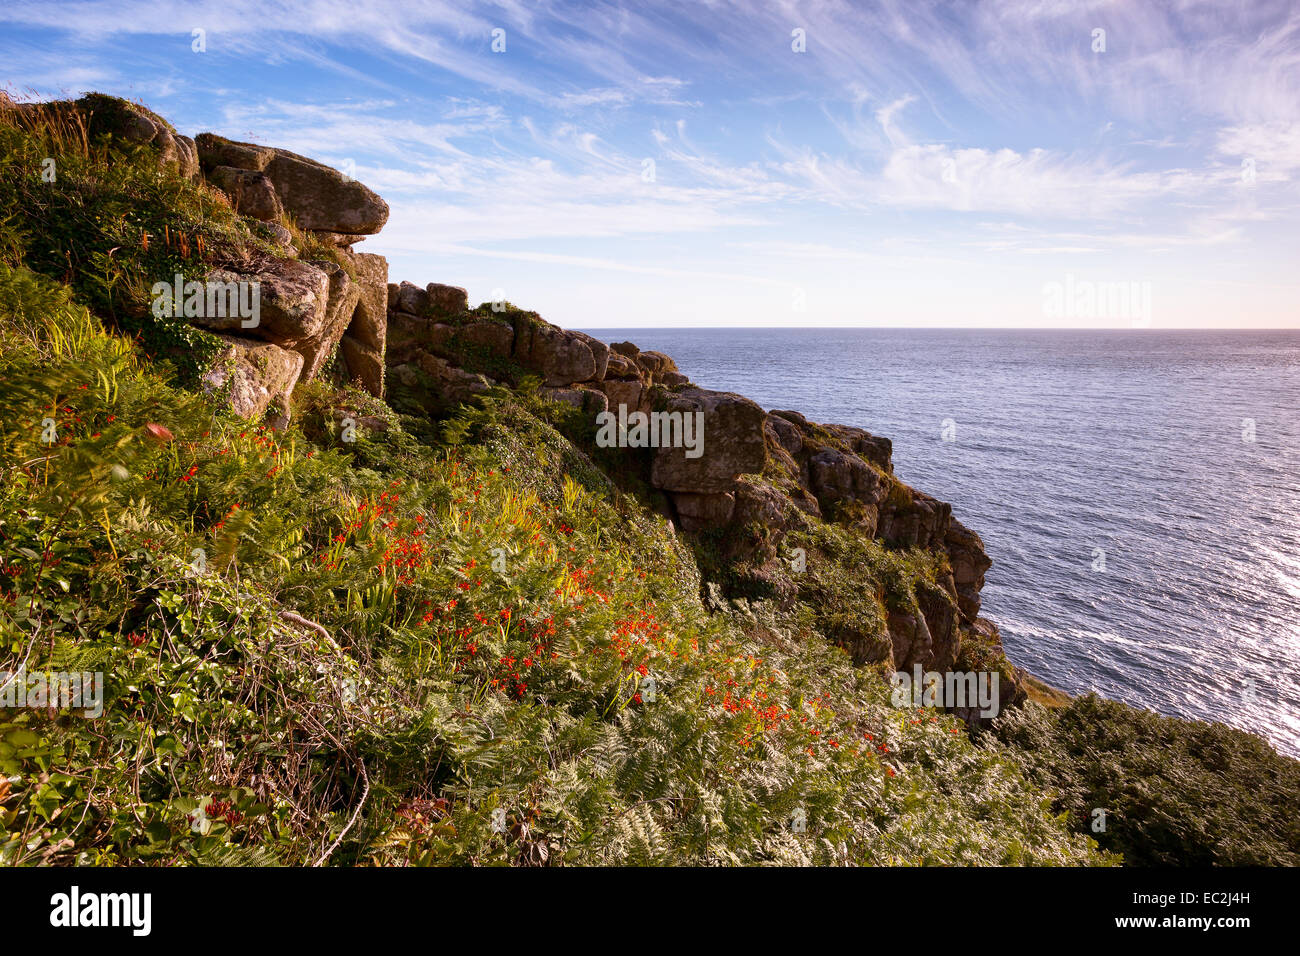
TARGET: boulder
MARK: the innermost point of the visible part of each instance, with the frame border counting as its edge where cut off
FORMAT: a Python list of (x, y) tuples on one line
[(920, 521), (410, 298), (319, 197), (878, 451), (435, 300), (783, 434), (630, 394), (250, 192), (446, 300), (835, 476), (618, 365), (655, 363), (732, 443), (252, 377), (910, 636), (364, 341), (217, 151), (698, 512), (759, 502), (794, 418), (941, 621), (322, 198), (559, 356), (292, 299), (295, 298), (969, 564), (842, 479), (599, 354)]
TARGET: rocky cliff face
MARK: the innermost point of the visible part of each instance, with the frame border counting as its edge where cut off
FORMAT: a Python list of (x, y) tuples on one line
[(315, 306), (755, 492), (318, 299), (761, 481)]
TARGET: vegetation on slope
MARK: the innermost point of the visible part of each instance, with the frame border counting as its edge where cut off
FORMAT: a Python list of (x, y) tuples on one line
[(105, 217), (1174, 792), (378, 646)]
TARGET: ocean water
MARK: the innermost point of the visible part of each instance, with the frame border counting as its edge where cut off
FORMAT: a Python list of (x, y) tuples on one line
[(1137, 490)]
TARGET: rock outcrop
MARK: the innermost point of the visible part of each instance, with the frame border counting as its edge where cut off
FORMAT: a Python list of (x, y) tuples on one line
[(775, 471), (332, 312), (732, 444), (318, 197), (121, 121)]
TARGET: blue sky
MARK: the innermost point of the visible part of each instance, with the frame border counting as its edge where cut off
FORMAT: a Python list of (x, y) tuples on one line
[(941, 164)]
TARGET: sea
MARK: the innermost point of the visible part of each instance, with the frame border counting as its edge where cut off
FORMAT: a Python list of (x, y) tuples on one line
[(1137, 490)]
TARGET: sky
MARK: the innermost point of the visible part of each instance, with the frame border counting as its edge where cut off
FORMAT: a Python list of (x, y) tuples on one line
[(1018, 163)]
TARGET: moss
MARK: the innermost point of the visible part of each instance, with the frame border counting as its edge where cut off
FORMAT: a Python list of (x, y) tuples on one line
[(899, 495), (109, 113), (473, 357), (505, 312)]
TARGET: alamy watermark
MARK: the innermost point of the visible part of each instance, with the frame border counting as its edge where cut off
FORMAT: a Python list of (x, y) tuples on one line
[(75, 909), (951, 689), (194, 299), (651, 430), (61, 690), (1085, 299)]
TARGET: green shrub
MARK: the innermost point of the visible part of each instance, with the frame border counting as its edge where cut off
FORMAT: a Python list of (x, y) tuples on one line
[(1174, 792)]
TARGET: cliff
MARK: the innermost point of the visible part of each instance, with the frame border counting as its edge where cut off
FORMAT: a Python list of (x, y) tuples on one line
[(751, 500), (362, 574)]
